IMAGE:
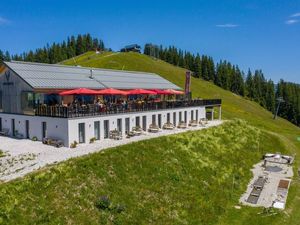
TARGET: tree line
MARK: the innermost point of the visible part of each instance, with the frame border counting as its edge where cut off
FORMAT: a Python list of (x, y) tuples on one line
[(252, 85), (57, 52)]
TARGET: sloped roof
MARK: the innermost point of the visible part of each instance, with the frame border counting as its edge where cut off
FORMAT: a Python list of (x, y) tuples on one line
[(53, 76)]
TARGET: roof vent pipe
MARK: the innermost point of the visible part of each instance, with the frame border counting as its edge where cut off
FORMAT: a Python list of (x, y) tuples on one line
[(91, 74)]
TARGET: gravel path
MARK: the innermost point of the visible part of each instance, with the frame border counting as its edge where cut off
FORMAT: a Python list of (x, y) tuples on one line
[(24, 156)]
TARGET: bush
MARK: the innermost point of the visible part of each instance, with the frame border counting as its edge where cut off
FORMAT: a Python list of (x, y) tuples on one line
[(103, 203), (74, 144), (92, 140), (34, 138), (1, 153)]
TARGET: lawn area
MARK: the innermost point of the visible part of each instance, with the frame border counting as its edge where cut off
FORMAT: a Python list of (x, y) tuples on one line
[(233, 106), (189, 178)]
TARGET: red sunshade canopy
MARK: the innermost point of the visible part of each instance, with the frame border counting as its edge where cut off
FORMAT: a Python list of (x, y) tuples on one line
[(141, 92), (79, 91), (111, 91), (162, 92), (175, 92)]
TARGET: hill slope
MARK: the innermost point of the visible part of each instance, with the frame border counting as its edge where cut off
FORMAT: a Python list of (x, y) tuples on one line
[(181, 179)]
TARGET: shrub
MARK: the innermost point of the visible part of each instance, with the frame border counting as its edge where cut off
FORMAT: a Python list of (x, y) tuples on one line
[(34, 138), (1, 153), (92, 140), (103, 203), (74, 144)]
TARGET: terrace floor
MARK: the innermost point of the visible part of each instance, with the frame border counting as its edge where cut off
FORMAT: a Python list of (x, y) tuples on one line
[(25, 156)]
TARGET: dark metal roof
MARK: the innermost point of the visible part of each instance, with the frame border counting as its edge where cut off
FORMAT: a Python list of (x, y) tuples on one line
[(53, 76)]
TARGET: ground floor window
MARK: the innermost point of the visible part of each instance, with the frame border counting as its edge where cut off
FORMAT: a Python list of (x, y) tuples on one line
[(192, 115), (174, 118), (197, 116), (81, 132), (44, 129), (97, 130), (153, 119), (180, 116), (168, 117), (27, 129), (137, 121), (159, 120), (106, 128), (185, 116), (119, 125), (127, 125), (144, 123)]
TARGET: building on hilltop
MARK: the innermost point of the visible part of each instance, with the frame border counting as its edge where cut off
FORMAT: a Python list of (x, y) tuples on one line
[(131, 48), (32, 104)]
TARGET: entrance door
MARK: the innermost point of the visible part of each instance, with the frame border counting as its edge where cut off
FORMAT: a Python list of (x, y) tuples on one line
[(127, 125), (153, 119), (97, 130), (197, 114), (106, 128), (13, 127), (0, 123), (44, 129), (159, 120), (185, 116), (168, 117), (81, 132), (192, 115), (144, 123), (27, 129)]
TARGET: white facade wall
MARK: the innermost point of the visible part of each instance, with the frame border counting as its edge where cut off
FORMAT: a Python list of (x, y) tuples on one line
[(67, 129), (56, 127)]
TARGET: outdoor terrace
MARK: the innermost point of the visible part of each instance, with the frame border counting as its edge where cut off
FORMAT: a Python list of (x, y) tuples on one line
[(85, 110)]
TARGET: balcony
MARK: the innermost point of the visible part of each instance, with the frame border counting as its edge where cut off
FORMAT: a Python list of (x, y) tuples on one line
[(73, 111)]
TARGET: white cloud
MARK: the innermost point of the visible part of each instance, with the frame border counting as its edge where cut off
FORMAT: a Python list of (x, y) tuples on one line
[(227, 25), (4, 21), (296, 15), (290, 22)]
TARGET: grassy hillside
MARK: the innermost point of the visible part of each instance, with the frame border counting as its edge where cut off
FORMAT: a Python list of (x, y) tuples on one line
[(180, 179), (190, 178)]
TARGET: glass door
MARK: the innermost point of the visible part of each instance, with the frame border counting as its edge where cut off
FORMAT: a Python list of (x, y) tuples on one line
[(97, 130), (27, 129), (127, 125), (44, 129), (144, 123), (106, 128)]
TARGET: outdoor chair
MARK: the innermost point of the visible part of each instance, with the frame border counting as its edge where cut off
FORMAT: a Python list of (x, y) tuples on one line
[(153, 128), (4, 132), (168, 126), (182, 125), (193, 123)]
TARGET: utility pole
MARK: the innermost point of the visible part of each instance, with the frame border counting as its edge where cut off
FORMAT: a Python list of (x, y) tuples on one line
[(279, 100)]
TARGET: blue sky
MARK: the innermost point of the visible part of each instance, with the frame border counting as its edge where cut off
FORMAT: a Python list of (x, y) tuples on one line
[(262, 34)]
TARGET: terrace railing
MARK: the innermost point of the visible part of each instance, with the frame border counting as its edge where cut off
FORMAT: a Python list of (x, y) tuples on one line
[(95, 110)]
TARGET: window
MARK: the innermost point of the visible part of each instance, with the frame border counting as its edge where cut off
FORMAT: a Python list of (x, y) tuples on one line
[(168, 117), (27, 129), (144, 123), (159, 120), (185, 116), (1, 107), (106, 128), (81, 132), (119, 125), (180, 116), (192, 115), (0, 124), (44, 129), (13, 127), (153, 119), (127, 125), (137, 121), (30, 100), (97, 130), (174, 118), (197, 117)]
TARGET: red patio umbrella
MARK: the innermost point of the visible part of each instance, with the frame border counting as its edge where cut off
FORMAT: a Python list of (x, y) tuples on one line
[(79, 91), (111, 91), (141, 92), (175, 92), (162, 92)]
